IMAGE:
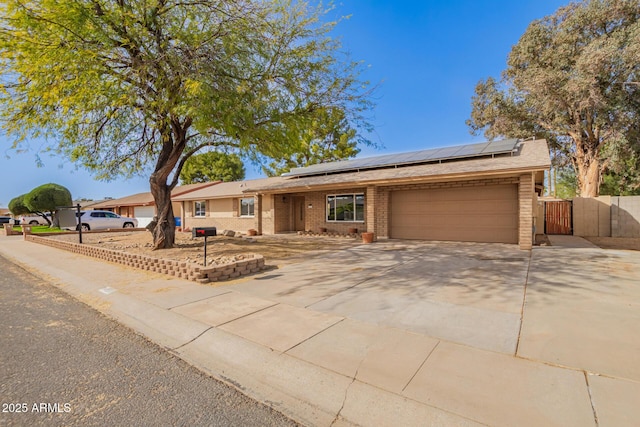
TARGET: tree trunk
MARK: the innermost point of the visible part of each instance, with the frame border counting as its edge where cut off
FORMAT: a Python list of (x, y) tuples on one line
[(588, 170), (56, 219), (44, 215), (164, 232), (174, 141)]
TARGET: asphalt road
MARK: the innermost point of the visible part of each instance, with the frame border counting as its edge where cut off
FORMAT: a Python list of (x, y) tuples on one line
[(63, 363)]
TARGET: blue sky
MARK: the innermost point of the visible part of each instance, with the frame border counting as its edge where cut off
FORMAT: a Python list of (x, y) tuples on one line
[(426, 56)]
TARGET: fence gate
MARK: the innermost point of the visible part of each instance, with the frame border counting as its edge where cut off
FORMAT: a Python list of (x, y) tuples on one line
[(558, 218)]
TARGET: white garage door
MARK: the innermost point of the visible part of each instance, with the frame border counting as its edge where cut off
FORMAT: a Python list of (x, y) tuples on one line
[(471, 214), (144, 214)]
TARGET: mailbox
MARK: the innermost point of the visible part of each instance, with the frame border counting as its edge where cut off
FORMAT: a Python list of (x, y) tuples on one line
[(203, 231)]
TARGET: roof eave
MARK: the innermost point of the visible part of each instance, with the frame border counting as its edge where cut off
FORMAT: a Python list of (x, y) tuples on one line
[(399, 181)]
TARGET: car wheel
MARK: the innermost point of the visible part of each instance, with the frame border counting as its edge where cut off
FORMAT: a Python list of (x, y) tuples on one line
[(85, 227), (34, 222), (128, 225)]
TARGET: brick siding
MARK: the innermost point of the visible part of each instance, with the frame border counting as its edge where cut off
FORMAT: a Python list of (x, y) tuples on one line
[(526, 200)]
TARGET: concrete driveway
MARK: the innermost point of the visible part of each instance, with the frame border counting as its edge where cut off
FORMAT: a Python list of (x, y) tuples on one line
[(582, 309), (462, 292), (571, 304)]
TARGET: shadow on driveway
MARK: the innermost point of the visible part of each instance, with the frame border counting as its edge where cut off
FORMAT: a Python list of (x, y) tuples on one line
[(462, 292)]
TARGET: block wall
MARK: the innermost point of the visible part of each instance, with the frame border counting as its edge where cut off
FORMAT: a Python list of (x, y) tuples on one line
[(179, 269), (592, 216), (625, 216)]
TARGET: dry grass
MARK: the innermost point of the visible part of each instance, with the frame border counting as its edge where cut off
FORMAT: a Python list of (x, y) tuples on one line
[(629, 243), (275, 249)]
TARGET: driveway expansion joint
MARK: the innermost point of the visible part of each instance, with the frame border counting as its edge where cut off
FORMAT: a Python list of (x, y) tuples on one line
[(198, 300), (420, 367), (593, 406), (315, 335), (524, 302), (248, 314)]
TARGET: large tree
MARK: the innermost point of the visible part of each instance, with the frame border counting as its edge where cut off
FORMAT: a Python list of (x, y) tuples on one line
[(123, 86), (48, 198), (212, 166), (17, 206), (571, 78), (325, 136)]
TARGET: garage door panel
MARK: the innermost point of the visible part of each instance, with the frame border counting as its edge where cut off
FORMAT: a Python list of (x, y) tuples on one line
[(487, 234), (457, 221), (446, 208), (496, 192), (477, 214), (144, 214)]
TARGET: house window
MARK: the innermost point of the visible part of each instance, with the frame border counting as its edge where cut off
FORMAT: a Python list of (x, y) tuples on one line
[(199, 208), (246, 207), (345, 207)]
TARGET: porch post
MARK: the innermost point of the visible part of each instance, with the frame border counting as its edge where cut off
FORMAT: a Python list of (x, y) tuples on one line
[(525, 202), (257, 213), (183, 216), (370, 203)]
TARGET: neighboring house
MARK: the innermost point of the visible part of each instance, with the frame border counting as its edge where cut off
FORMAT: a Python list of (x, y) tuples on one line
[(89, 204), (5, 212), (142, 205), (482, 192)]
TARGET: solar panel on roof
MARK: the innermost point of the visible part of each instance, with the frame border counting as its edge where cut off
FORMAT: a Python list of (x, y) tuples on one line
[(472, 149), (447, 152), (407, 157), (372, 162), (414, 157), (504, 145)]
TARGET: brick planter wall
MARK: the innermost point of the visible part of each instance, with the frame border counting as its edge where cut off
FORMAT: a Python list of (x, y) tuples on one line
[(181, 269), (8, 230)]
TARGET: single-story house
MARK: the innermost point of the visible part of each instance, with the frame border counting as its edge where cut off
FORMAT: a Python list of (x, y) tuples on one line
[(89, 204), (227, 206), (143, 207), (485, 192)]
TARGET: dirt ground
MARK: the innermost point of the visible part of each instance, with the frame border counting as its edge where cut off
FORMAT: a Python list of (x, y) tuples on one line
[(630, 243), (278, 249)]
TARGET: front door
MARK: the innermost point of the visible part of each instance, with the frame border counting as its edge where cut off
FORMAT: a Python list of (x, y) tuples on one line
[(298, 214)]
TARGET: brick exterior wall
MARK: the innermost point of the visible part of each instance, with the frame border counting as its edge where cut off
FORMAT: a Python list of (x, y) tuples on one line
[(179, 269), (382, 217), (282, 213), (316, 215), (370, 201), (526, 211)]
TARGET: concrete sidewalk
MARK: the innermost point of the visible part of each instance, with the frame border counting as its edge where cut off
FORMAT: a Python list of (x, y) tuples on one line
[(325, 369)]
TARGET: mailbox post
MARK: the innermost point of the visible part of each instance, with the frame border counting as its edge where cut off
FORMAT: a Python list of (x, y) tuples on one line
[(204, 232)]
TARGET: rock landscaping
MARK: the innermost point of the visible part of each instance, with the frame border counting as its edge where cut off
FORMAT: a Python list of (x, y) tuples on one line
[(227, 257)]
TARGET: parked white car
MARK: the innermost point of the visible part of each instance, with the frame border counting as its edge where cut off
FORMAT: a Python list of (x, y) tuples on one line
[(102, 220), (33, 219)]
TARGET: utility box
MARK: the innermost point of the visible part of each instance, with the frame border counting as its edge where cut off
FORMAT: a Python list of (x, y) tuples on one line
[(203, 231)]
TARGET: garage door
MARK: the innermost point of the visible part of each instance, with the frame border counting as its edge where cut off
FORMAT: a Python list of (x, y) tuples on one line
[(144, 214), (471, 214)]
